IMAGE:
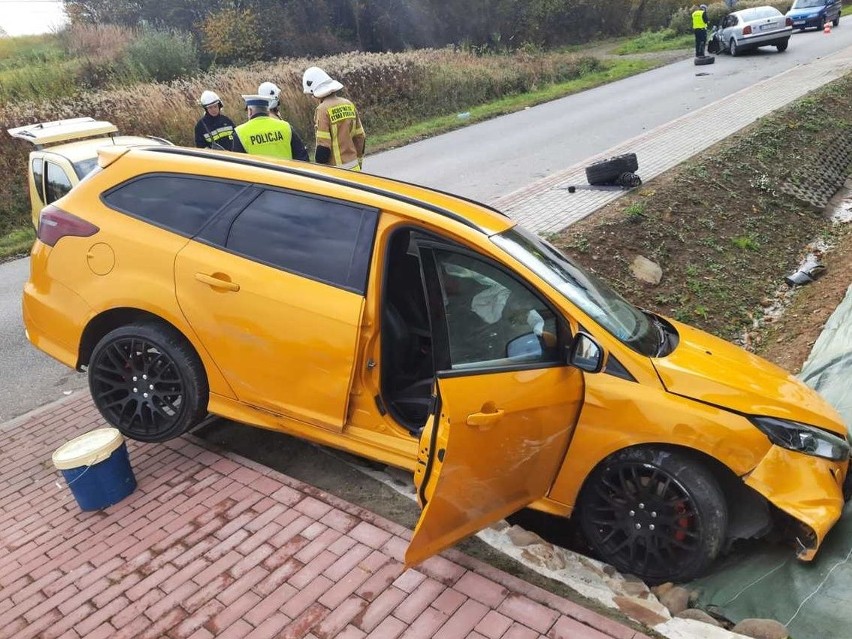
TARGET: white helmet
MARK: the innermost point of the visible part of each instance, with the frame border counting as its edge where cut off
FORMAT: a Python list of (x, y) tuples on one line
[(271, 90), (208, 98), (318, 83)]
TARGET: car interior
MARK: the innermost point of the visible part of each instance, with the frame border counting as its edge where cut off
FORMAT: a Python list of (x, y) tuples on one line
[(408, 370)]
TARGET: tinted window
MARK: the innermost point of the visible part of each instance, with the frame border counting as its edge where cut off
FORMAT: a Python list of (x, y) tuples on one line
[(57, 184), (84, 167), (38, 176), (322, 239), (177, 202)]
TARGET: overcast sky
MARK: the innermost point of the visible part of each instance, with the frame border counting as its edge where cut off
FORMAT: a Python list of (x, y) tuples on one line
[(26, 17)]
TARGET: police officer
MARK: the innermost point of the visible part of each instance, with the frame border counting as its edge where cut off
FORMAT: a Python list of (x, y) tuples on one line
[(264, 135), (214, 130), (699, 27), (339, 133)]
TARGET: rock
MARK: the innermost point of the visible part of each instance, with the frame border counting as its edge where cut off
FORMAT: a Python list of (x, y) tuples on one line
[(638, 610), (761, 629), (499, 525), (647, 271), (697, 615), (544, 555), (635, 589), (662, 589), (521, 537), (676, 599)]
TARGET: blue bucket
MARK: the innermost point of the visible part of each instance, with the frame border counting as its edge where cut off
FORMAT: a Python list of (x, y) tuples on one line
[(96, 467)]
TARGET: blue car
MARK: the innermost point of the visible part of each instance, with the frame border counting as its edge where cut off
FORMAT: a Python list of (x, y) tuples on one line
[(814, 13)]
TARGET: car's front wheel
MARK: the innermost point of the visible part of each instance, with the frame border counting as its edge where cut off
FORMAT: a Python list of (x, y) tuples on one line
[(148, 382), (655, 513), (836, 21)]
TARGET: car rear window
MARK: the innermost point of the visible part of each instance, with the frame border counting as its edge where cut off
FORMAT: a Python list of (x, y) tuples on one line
[(180, 203), (323, 239)]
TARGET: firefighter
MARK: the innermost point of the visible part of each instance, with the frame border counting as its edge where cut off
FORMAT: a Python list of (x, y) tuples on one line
[(264, 135), (699, 27), (214, 130), (339, 133)]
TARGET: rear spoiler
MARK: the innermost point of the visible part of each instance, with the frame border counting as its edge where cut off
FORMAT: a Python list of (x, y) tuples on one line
[(44, 133)]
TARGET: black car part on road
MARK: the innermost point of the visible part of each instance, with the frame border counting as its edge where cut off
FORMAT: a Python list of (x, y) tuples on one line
[(702, 60), (608, 171)]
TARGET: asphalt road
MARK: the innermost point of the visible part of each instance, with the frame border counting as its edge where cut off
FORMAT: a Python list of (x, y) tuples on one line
[(483, 161)]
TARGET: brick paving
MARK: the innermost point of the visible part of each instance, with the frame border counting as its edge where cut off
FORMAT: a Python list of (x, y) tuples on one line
[(546, 206), (213, 545)]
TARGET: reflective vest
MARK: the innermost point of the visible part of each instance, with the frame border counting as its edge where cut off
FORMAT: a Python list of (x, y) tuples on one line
[(698, 19), (263, 135)]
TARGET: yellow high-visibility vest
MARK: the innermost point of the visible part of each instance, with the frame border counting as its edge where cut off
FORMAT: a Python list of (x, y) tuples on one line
[(698, 19), (266, 136)]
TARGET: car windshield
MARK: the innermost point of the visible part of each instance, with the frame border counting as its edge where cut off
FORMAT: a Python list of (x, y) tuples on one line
[(83, 167), (615, 314), (808, 4)]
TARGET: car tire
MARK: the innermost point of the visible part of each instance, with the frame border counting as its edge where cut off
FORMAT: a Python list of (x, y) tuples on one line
[(704, 60), (821, 24), (654, 513), (782, 46), (607, 171), (732, 48), (148, 382), (836, 22)]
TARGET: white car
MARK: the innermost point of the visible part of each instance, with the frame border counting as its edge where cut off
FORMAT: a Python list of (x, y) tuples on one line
[(71, 154), (752, 28)]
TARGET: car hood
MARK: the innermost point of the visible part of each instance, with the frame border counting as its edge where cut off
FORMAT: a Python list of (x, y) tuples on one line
[(711, 370), (807, 11)]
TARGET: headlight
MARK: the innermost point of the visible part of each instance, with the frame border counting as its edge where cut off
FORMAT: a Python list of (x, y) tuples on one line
[(802, 438), (813, 15)]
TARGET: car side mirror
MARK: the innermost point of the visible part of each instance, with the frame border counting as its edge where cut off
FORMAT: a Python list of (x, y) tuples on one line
[(586, 354)]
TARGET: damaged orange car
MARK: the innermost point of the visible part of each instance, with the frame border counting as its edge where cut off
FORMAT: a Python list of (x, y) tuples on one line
[(428, 332)]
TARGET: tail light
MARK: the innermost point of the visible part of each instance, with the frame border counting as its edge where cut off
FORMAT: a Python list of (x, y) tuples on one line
[(54, 224), (789, 22), (747, 30)]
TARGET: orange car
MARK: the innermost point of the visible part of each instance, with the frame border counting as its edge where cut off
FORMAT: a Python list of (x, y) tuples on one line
[(429, 332)]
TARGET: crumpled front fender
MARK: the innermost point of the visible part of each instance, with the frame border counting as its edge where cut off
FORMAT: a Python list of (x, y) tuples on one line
[(809, 489)]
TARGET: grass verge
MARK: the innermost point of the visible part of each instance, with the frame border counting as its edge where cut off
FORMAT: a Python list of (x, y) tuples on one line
[(16, 243), (612, 71), (650, 41)]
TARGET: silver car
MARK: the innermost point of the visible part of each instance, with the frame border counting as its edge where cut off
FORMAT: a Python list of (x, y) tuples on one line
[(751, 28)]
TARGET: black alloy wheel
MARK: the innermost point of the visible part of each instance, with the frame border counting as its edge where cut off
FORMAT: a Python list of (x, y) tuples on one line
[(148, 382), (657, 514)]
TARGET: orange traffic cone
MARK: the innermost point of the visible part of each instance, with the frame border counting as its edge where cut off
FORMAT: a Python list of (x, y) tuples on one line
[(827, 28)]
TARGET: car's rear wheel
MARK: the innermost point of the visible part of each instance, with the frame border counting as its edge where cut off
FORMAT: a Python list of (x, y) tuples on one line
[(148, 382), (732, 48), (655, 513), (782, 46)]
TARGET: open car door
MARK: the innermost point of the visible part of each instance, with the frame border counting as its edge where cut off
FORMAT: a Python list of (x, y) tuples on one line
[(506, 403)]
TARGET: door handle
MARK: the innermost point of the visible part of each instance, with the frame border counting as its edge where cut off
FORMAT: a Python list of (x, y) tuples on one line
[(216, 282), (484, 421)]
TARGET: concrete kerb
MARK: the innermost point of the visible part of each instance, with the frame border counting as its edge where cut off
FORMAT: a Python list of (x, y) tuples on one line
[(15, 422)]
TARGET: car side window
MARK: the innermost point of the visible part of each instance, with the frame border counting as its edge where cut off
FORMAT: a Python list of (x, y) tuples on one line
[(177, 202), (57, 183), (493, 320), (320, 238), (38, 177)]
